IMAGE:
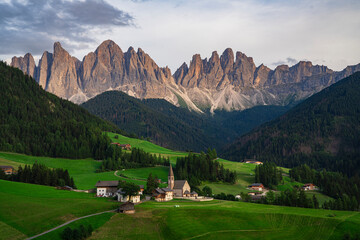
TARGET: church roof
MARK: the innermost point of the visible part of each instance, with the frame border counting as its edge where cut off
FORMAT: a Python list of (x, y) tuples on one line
[(171, 173), (179, 184)]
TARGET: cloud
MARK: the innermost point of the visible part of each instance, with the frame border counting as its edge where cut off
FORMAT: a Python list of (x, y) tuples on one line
[(288, 61), (30, 26)]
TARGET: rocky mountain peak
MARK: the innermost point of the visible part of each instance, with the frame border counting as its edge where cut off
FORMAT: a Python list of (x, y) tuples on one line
[(25, 64), (227, 60)]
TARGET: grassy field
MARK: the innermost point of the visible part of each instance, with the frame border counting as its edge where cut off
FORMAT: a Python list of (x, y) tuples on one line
[(95, 221), (245, 176), (143, 173), (227, 220), (30, 209), (147, 146)]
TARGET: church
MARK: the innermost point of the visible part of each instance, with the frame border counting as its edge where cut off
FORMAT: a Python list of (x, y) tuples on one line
[(181, 188)]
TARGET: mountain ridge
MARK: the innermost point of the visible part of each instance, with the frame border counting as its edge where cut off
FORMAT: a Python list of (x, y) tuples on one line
[(322, 131), (228, 81)]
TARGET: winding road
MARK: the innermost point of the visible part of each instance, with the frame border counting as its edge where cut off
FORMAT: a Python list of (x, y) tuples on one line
[(64, 224)]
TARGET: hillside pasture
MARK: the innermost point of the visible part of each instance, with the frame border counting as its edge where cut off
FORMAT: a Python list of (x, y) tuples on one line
[(31, 209), (200, 220)]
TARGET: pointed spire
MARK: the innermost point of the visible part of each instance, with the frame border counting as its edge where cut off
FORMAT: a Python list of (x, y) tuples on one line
[(171, 173)]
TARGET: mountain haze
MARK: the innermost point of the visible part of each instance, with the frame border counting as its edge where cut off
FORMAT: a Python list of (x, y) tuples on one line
[(230, 81)]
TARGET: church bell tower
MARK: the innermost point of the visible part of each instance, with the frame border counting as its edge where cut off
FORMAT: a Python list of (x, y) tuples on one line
[(171, 178)]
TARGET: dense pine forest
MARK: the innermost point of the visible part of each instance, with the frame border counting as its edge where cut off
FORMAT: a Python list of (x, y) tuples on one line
[(345, 190), (175, 127), (202, 167), (116, 159), (323, 132), (38, 123), (40, 174)]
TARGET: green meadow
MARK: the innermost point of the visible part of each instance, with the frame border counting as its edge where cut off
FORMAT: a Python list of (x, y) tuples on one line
[(29, 209), (227, 220), (95, 221), (147, 146)]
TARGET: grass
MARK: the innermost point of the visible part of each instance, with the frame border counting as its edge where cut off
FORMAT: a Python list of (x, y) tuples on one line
[(245, 176), (95, 221), (227, 220), (31, 209), (143, 173), (82, 170)]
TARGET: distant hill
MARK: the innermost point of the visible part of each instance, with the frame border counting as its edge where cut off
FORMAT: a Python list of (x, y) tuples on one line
[(175, 127), (35, 122), (133, 115), (323, 132)]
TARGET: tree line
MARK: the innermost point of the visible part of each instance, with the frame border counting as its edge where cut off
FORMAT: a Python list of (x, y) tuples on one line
[(115, 159), (202, 167), (268, 174), (40, 174), (344, 189), (38, 123), (77, 233)]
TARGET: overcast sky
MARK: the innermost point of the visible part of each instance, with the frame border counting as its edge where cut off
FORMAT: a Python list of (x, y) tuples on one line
[(326, 32)]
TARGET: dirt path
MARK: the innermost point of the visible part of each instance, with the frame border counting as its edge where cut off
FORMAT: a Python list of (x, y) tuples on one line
[(64, 224)]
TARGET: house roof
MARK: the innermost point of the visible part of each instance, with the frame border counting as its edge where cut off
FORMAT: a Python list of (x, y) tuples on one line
[(171, 173), (186, 192), (179, 184), (193, 192), (256, 185), (141, 186), (159, 190), (6, 167), (107, 184), (127, 206)]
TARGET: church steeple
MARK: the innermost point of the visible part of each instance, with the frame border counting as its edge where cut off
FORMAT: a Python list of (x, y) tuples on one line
[(171, 178)]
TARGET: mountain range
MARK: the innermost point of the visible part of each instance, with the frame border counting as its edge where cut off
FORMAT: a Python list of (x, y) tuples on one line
[(323, 131), (231, 81)]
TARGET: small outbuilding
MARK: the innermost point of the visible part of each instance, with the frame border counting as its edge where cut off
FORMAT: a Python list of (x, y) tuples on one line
[(8, 170), (127, 208), (308, 186), (256, 186)]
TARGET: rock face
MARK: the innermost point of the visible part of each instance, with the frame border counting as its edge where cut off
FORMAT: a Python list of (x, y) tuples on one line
[(230, 81)]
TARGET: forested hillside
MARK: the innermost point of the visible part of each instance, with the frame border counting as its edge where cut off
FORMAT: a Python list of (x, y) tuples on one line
[(132, 115), (35, 122), (176, 127), (323, 132)]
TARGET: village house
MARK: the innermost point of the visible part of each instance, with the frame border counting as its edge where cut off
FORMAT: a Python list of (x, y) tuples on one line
[(121, 197), (308, 187), (123, 146), (141, 189), (163, 194), (127, 208), (8, 170), (254, 162), (106, 188), (256, 186)]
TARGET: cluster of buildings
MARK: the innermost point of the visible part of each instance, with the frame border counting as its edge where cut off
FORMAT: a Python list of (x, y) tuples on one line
[(110, 189), (122, 146), (176, 188)]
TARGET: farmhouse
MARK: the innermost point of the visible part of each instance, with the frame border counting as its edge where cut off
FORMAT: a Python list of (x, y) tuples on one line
[(254, 162), (141, 189), (256, 186), (8, 170), (181, 188), (163, 194), (106, 188), (127, 208), (123, 146), (308, 186), (121, 197)]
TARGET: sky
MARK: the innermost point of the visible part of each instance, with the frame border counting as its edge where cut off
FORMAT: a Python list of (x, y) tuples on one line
[(273, 32)]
